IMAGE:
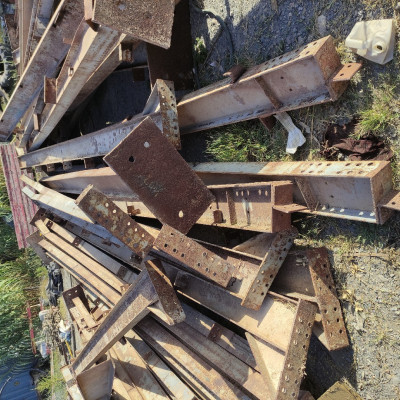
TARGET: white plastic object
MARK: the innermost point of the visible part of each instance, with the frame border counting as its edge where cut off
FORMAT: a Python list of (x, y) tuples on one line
[(295, 137), (42, 314), (373, 40)]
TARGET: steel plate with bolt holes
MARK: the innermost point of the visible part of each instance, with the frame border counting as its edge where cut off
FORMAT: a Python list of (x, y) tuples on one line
[(325, 293), (150, 21), (296, 354), (150, 165), (190, 253), (269, 267), (102, 210)]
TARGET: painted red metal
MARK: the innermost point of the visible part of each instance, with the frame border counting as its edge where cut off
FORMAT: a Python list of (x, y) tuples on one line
[(23, 209)]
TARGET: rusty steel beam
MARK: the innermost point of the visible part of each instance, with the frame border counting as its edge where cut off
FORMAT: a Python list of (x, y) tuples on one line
[(193, 369), (49, 53), (88, 51), (150, 165), (102, 210), (301, 78), (351, 190), (151, 287), (194, 255)]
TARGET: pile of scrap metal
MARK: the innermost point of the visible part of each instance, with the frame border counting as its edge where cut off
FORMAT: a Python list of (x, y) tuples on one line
[(162, 314)]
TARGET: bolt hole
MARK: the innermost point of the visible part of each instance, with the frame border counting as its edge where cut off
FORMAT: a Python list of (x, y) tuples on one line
[(131, 159), (146, 145), (180, 214)]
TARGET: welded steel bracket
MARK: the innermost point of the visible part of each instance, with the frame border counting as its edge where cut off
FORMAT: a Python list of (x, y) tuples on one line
[(269, 267), (264, 206), (102, 210), (162, 99), (190, 253), (390, 203), (150, 21), (149, 164), (307, 192), (151, 287), (296, 355), (328, 302)]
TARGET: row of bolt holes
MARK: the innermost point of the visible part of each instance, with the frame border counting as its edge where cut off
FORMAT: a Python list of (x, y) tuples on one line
[(114, 212), (334, 308), (289, 366), (272, 275), (198, 264), (292, 55), (338, 172), (260, 192)]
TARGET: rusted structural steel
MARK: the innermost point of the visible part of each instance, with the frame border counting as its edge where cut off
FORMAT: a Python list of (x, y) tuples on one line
[(150, 165), (48, 55), (355, 190), (238, 288), (39, 24), (309, 75), (263, 206), (88, 50), (133, 363), (207, 349), (150, 287)]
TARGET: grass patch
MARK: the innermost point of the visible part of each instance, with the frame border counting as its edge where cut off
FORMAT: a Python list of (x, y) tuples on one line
[(248, 141), (53, 384)]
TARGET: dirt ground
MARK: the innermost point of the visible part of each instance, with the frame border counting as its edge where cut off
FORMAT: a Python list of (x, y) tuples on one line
[(365, 258)]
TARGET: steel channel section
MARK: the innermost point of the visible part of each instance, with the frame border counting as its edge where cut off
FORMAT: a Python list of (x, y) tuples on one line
[(148, 21), (328, 302), (50, 51), (150, 165), (348, 190), (223, 103), (296, 355), (150, 287), (102, 210), (269, 267), (194, 255)]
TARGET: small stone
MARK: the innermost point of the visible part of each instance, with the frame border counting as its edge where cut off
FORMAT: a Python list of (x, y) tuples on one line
[(397, 7), (321, 25)]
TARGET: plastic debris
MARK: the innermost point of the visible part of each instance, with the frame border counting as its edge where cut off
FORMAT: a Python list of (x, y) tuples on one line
[(295, 137), (373, 40)]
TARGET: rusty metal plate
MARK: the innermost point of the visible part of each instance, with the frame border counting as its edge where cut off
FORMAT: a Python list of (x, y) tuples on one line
[(346, 72), (189, 253), (169, 112), (296, 354), (328, 302), (269, 267), (102, 210), (150, 165), (251, 206), (150, 21)]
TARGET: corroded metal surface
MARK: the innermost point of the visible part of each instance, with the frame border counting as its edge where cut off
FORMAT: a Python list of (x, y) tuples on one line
[(190, 253), (169, 113), (130, 309), (48, 55), (119, 224), (269, 267), (250, 206), (149, 164), (296, 354), (328, 302), (306, 190), (150, 21)]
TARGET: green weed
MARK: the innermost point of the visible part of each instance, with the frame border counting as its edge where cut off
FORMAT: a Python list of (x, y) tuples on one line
[(248, 141)]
